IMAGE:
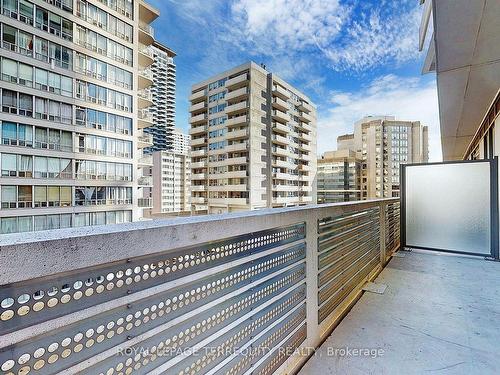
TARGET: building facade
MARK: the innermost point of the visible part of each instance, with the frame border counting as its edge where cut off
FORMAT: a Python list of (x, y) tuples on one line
[(163, 72), (253, 142), (384, 143), (339, 177), (73, 96), (171, 183), (181, 142)]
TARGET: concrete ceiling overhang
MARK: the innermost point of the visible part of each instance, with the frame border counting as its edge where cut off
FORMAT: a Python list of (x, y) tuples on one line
[(467, 61)]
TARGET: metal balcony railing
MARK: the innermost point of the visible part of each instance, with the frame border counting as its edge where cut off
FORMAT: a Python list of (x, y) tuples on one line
[(235, 294)]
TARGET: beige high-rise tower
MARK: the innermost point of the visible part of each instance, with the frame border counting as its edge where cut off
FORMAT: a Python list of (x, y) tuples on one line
[(253, 142), (74, 98), (384, 144)]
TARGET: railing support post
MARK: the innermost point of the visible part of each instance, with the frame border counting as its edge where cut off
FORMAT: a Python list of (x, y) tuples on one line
[(383, 247)]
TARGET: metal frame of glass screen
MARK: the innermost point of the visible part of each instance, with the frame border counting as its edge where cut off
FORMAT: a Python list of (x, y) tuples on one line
[(494, 243)]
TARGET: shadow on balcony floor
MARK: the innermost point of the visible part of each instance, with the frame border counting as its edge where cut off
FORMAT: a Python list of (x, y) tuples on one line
[(439, 315)]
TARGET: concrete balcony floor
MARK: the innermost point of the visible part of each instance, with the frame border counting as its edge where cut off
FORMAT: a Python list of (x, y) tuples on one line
[(440, 314)]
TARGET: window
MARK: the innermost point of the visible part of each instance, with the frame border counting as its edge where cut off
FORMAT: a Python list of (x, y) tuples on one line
[(25, 197), (41, 79), (26, 12), (25, 75), (41, 49), (26, 105), (40, 194), (25, 166), (9, 37), (9, 70), (40, 167), (25, 135), (9, 8), (9, 168), (9, 197), (9, 102), (42, 19), (9, 133)]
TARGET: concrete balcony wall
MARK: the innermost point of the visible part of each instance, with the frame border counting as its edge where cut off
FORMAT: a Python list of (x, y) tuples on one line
[(271, 279)]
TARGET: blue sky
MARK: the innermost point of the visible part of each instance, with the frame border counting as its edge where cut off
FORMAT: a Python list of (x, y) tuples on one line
[(352, 58)]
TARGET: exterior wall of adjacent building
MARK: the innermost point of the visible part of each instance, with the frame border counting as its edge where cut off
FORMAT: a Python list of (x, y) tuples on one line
[(339, 177), (253, 142), (70, 95), (384, 143), (181, 142), (171, 183)]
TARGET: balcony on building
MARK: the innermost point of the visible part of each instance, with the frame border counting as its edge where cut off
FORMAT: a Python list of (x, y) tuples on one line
[(145, 98), (145, 181), (195, 130), (146, 57), (197, 107), (237, 120), (237, 82), (280, 116), (237, 94), (198, 119), (145, 161), (145, 140), (233, 109), (281, 92), (145, 202), (198, 176), (145, 118), (198, 96), (237, 134), (280, 104), (198, 141), (145, 78)]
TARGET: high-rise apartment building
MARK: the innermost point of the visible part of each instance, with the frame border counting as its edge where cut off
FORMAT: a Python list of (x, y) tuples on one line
[(384, 144), (253, 142), (73, 96), (171, 182), (339, 176), (163, 72), (181, 142)]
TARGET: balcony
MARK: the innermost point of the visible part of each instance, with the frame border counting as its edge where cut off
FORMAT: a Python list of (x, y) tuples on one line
[(243, 146), (198, 153), (145, 202), (198, 164), (145, 98), (237, 108), (239, 188), (146, 57), (280, 128), (280, 104), (238, 81), (278, 139), (145, 78), (237, 94), (235, 174), (145, 140), (145, 119), (198, 176), (197, 107), (305, 117), (198, 200), (305, 107), (145, 181), (281, 92), (198, 119), (237, 134), (198, 188), (198, 141), (280, 116), (225, 202), (146, 34), (197, 96), (236, 121), (194, 130), (145, 161)]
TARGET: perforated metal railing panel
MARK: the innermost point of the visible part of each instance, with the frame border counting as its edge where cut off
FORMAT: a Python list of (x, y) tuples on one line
[(392, 217), (348, 250), (242, 304)]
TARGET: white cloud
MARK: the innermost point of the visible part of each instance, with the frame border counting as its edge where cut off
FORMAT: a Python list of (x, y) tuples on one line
[(288, 24), (373, 39), (352, 36), (405, 98)]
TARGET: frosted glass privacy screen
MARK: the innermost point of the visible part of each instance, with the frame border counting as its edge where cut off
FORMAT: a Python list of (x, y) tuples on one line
[(448, 207)]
